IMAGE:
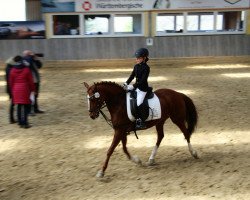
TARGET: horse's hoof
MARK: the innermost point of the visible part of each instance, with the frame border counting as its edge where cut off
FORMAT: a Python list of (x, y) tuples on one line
[(151, 162), (195, 155), (100, 174), (136, 160)]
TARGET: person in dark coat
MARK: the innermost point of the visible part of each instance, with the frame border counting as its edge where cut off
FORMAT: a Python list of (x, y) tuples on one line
[(9, 64), (34, 64), (141, 73), (22, 90)]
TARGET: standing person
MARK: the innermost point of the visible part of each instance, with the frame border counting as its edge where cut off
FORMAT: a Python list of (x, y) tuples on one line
[(141, 73), (9, 64), (22, 90), (34, 64)]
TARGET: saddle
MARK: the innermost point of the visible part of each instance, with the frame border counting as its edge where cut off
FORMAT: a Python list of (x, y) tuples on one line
[(151, 108)]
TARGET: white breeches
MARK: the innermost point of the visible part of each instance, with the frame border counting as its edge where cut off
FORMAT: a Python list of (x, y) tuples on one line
[(140, 96)]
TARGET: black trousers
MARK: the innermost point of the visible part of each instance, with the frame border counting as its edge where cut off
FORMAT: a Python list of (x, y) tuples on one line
[(35, 106), (22, 113), (11, 111)]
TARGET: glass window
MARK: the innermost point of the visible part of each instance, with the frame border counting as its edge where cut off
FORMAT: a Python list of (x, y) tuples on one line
[(219, 22), (170, 23), (230, 21), (96, 24), (179, 23), (207, 22), (128, 23), (66, 25), (192, 22), (200, 22)]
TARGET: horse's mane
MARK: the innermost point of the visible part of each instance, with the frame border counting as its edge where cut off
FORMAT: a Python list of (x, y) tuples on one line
[(109, 83)]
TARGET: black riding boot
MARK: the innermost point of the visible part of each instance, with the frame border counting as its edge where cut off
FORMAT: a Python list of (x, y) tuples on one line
[(140, 124)]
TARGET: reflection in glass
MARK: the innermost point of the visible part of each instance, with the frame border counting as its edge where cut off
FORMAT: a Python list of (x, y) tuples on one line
[(96, 24)]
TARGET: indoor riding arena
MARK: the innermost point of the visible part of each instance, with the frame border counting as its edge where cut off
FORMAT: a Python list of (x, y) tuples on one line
[(199, 49)]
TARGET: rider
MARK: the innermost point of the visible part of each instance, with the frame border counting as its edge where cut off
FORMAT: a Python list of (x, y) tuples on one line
[(140, 72)]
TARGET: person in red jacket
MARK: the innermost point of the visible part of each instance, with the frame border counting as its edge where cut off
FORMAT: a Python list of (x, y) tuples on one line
[(9, 65), (22, 90)]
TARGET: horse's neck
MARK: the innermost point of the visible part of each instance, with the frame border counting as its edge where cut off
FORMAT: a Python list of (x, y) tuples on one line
[(114, 98)]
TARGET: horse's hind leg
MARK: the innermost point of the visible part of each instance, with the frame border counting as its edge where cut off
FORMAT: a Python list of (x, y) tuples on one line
[(160, 136), (187, 137)]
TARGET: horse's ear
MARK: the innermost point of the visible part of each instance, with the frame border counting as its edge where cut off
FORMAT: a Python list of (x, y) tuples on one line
[(86, 85)]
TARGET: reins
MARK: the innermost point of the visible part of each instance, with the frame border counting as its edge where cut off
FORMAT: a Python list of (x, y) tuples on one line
[(109, 122)]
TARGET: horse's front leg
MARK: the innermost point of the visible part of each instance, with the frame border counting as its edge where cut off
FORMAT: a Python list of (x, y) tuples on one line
[(135, 159), (115, 142)]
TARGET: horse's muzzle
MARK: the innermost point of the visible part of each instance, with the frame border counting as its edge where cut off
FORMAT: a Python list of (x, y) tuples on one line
[(93, 115)]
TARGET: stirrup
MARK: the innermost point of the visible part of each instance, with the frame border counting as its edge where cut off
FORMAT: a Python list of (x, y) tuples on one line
[(139, 124)]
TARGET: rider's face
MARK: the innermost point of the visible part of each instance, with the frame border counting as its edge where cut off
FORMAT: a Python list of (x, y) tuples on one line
[(139, 60)]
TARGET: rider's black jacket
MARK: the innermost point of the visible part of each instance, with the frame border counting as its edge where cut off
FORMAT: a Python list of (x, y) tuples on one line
[(141, 72)]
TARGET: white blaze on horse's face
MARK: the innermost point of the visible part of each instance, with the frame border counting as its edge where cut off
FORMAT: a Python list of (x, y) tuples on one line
[(88, 102)]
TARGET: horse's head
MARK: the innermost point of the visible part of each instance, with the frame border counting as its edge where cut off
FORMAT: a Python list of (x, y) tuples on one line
[(95, 101)]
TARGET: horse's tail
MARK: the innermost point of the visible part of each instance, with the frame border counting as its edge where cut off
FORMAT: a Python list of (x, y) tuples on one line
[(191, 115)]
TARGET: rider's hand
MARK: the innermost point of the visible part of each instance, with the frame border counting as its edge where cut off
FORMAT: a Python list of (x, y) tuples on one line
[(130, 87), (125, 86)]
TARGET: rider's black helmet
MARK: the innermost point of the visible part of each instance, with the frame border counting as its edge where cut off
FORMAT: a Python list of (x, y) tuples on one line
[(142, 52)]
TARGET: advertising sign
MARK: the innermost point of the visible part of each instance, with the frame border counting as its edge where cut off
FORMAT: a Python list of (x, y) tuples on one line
[(140, 5), (22, 30), (111, 5), (199, 4), (137, 5), (58, 6)]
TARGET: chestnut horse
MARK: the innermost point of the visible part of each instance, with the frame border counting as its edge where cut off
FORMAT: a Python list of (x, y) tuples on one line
[(174, 105)]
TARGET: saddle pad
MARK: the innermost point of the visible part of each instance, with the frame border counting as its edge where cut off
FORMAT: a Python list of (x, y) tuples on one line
[(154, 108)]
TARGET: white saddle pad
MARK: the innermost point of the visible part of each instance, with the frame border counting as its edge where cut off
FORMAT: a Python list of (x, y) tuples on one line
[(154, 108)]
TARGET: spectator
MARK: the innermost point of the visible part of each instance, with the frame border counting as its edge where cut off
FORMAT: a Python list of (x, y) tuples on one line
[(22, 90), (9, 64), (62, 29), (34, 64)]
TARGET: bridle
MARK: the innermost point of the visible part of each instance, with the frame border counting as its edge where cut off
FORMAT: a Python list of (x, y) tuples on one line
[(95, 96), (100, 105)]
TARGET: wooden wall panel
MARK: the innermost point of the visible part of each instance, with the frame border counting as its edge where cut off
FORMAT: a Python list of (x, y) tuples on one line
[(119, 48)]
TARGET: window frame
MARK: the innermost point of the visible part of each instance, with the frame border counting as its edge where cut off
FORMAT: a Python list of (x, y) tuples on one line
[(175, 15), (97, 35), (111, 32), (212, 32), (125, 33)]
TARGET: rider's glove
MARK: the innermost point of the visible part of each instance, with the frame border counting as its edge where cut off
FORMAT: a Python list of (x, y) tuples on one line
[(125, 86), (130, 87)]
